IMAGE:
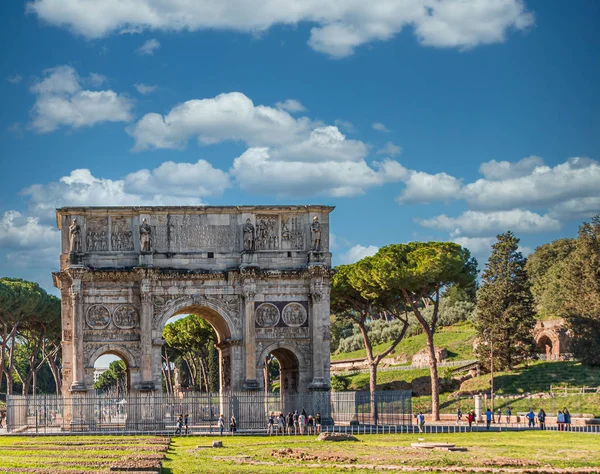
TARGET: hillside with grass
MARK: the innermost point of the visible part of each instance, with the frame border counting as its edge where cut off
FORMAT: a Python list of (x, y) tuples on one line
[(457, 339)]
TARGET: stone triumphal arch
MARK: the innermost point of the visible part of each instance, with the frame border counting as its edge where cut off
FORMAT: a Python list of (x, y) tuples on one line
[(258, 274)]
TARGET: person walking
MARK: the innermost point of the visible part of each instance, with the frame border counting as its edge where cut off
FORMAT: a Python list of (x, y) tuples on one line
[(301, 420), (421, 422), (290, 423), (508, 413), (470, 418), (531, 417), (232, 425), (270, 423), (458, 416), (499, 415), (221, 424), (296, 422), (489, 416), (179, 424), (567, 419), (310, 424), (281, 423), (560, 421), (318, 422), (186, 420), (542, 419)]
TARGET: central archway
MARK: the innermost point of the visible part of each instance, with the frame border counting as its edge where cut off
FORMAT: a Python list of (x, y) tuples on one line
[(222, 323)]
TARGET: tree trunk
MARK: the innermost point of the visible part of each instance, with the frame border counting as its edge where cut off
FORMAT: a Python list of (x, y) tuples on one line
[(435, 382), (372, 390)]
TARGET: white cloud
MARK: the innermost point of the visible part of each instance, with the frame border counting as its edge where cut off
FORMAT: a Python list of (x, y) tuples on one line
[(149, 47), (501, 170), (380, 127), (291, 105), (390, 149), (257, 171), (20, 232), (543, 187), (145, 89), (61, 101), (229, 116), (81, 188), (15, 79), (178, 179), (481, 224), (344, 125), (478, 246), (423, 188), (358, 252), (338, 27), (96, 80)]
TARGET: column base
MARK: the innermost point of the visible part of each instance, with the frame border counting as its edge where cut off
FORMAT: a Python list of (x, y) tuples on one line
[(78, 386), (319, 384), (147, 386), (251, 384)]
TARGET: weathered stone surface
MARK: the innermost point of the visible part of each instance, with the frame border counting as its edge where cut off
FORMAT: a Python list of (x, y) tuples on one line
[(217, 444), (247, 270), (336, 437)]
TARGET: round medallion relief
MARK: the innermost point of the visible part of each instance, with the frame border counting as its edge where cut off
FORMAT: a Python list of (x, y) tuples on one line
[(125, 317), (267, 315), (97, 316), (294, 315)]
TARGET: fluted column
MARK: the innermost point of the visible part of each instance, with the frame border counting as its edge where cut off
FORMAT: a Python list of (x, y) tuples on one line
[(146, 335), (319, 293), (250, 382), (78, 384)]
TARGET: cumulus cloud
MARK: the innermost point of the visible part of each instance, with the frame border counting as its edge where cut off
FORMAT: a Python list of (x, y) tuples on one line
[(423, 188), (338, 27), (500, 170), (380, 127), (291, 105), (149, 47), (21, 232), (390, 149), (81, 188), (229, 116), (479, 224), (145, 89), (178, 179), (542, 187), (358, 252), (61, 101)]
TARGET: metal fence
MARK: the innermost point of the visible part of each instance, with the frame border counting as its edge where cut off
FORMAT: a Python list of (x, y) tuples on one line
[(151, 412)]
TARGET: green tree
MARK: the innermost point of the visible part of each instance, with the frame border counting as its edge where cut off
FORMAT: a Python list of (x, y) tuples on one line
[(580, 293), (113, 381), (191, 337), (23, 306), (505, 317), (356, 298), (418, 273), (545, 270)]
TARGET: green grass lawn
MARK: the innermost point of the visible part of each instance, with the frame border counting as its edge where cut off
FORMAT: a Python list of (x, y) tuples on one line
[(360, 381), (457, 339), (519, 450), (537, 377), (79, 453)]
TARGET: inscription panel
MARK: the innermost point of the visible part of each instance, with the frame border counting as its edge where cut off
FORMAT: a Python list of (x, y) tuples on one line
[(282, 333)]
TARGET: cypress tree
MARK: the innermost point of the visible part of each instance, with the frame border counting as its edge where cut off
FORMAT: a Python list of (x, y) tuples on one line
[(505, 316), (580, 288)]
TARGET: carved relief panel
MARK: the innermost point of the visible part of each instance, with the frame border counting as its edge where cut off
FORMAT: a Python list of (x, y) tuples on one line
[(292, 237), (97, 316), (121, 235), (125, 317), (96, 237), (267, 232), (281, 320)]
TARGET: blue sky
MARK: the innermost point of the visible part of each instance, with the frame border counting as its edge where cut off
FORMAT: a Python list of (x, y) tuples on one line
[(418, 119)]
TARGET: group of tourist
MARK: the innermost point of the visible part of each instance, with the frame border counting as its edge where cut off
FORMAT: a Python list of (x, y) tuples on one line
[(563, 418), (294, 423)]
